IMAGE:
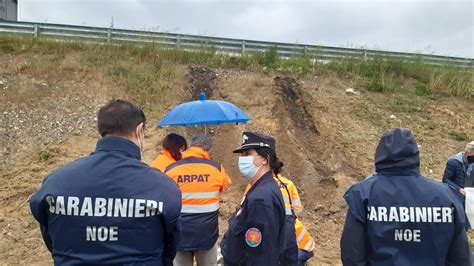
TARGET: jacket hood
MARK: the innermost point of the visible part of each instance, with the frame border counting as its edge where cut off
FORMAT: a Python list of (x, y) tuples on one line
[(397, 149)]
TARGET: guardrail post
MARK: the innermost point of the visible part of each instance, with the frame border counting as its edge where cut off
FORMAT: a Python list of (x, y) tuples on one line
[(365, 55), (178, 41), (36, 31), (243, 48), (109, 35), (305, 50)]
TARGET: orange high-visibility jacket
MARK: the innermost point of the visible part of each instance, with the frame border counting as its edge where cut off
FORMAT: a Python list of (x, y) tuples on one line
[(163, 160), (293, 194), (303, 238), (200, 179)]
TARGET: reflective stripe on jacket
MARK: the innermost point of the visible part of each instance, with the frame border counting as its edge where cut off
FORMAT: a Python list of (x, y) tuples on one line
[(303, 238), (201, 181)]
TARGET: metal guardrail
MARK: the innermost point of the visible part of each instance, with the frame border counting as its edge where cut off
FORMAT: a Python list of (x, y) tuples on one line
[(225, 45)]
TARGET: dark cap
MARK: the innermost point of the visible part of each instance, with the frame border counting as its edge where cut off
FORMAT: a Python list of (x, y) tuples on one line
[(252, 140)]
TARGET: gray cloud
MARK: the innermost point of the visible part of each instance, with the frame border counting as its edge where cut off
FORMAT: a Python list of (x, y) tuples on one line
[(442, 27)]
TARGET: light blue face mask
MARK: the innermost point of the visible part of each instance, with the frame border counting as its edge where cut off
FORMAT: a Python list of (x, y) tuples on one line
[(247, 168)]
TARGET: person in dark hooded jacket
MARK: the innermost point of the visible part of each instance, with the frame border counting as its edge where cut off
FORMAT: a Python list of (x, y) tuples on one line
[(398, 217)]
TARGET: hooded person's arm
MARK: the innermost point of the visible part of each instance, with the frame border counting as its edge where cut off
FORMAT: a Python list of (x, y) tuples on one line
[(354, 232), (46, 238), (354, 242), (459, 253)]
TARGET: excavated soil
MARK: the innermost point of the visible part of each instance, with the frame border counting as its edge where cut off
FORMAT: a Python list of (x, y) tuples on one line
[(325, 137)]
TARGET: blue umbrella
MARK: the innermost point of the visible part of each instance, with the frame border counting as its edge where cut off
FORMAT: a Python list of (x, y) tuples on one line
[(204, 112)]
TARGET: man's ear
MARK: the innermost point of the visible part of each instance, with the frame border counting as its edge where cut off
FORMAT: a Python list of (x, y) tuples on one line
[(140, 127)]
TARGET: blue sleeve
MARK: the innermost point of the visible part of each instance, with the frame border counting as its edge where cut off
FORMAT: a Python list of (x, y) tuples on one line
[(172, 218), (354, 232), (355, 198), (261, 234), (450, 174), (459, 253), (46, 238), (39, 208)]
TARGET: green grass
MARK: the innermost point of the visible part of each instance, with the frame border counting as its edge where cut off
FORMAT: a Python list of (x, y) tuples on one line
[(444, 80), (376, 86), (44, 156), (383, 74), (459, 136), (422, 90), (404, 104), (146, 83)]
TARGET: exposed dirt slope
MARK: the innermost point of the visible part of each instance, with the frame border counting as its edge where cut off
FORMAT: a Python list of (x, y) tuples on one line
[(325, 137)]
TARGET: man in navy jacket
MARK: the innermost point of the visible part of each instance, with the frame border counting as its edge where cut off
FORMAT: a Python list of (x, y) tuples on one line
[(458, 169), (110, 207), (398, 217)]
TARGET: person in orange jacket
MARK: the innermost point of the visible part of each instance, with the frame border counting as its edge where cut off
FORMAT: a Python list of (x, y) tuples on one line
[(173, 146), (201, 181)]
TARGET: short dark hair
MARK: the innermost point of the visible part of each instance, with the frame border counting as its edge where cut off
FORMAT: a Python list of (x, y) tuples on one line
[(119, 117), (174, 143), (275, 164)]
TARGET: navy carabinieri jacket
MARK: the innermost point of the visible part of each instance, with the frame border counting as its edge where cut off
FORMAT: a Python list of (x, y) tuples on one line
[(398, 217), (109, 208)]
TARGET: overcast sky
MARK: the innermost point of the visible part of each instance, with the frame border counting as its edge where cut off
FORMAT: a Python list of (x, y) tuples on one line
[(440, 27)]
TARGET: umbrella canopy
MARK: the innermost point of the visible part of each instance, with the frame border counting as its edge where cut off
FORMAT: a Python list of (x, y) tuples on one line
[(204, 112)]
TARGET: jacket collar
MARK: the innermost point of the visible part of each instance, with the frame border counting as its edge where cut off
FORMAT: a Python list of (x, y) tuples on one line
[(267, 176), (196, 152), (112, 143), (400, 171), (166, 153)]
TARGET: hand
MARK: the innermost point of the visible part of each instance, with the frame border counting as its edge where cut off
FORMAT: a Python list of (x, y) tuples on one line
[(462, 191)]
